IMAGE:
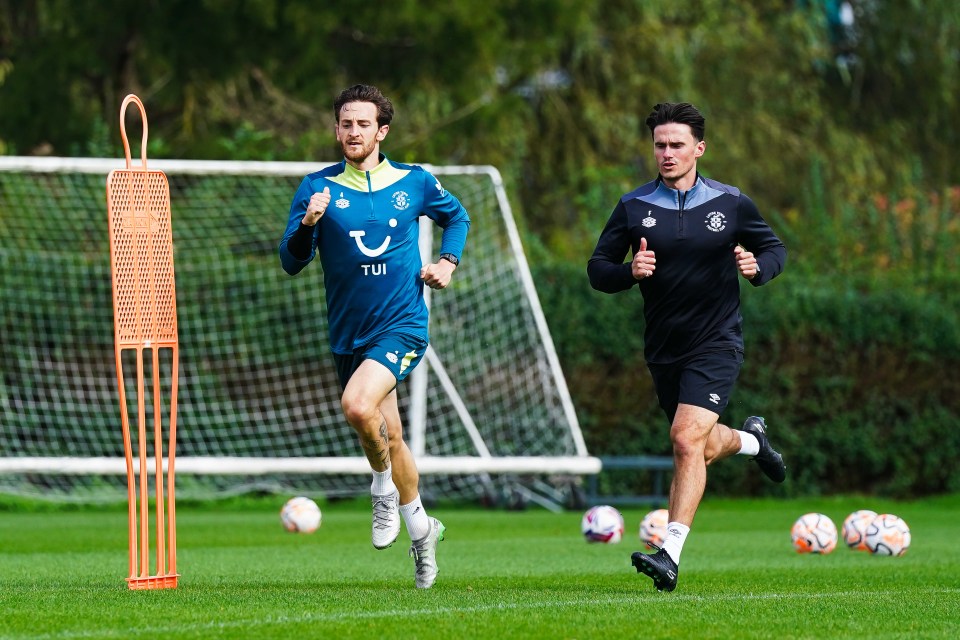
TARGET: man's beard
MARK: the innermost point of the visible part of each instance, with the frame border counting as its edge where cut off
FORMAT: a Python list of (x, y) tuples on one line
[(357, 155)]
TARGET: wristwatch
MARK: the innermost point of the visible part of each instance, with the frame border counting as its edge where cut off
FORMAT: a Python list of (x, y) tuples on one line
[(449, 257)]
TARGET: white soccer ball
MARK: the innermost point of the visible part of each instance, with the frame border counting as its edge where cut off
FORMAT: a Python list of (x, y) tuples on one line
[(653, 527), (300, 515), (854, 528), (602, 524), (888, 535), (814, 533)]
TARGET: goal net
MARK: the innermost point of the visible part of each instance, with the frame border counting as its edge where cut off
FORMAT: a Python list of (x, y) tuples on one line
[(258, 409)]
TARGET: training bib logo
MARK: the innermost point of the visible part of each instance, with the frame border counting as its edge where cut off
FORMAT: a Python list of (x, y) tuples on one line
[(716, 222), (400, 200), (378, 268), (372, 253)]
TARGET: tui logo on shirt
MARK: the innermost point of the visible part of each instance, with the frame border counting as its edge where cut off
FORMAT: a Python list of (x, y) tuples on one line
[(372, 253)]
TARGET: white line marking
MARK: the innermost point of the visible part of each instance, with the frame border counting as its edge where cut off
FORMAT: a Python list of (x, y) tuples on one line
[(340, 616)]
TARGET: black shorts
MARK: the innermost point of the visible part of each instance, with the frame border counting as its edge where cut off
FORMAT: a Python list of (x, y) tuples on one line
[(704, 380)]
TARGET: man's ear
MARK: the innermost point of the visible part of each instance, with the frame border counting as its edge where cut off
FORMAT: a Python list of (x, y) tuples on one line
[(382, 133)]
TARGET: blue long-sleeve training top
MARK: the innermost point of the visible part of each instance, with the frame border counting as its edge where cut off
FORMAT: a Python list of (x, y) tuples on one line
[(691, 304), (367, 240)]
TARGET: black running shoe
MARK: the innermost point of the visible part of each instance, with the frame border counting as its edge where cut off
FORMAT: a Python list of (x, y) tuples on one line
[(659, 566), (771, 462)]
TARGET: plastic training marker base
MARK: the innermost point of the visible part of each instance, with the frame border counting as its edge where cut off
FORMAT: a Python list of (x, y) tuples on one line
[(153, 582)]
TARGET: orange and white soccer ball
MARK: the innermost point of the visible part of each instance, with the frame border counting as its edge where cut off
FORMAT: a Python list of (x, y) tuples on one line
[(653, 527), (300, 515), (602, 524), (854, 530), (814, 533), (888, 535)]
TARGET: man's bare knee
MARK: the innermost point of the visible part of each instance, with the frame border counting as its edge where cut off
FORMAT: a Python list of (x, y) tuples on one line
[(358, 411), (686, 441)]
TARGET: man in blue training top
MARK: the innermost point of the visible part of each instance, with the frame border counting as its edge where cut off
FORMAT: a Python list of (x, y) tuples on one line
[(362, 217), (690, 237)]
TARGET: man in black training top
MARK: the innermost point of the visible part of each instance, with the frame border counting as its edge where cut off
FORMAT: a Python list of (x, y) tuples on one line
[(690, 237)]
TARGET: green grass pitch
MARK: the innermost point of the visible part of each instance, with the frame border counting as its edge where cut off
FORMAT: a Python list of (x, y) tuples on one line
[(502, 575)]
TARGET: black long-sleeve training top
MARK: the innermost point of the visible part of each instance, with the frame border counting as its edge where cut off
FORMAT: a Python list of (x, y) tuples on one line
[(691, 303)]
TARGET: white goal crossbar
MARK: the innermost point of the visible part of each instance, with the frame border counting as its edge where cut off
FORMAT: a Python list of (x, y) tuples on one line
[(196, 465)]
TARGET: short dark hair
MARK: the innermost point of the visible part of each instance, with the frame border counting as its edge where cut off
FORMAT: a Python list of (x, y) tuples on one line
[(365, 93), (679, 112)]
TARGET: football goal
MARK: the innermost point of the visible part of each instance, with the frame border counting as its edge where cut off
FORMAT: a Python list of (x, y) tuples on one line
[(258, 405)]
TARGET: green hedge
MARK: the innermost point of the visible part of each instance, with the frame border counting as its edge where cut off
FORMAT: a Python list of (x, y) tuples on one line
[(854, 379)]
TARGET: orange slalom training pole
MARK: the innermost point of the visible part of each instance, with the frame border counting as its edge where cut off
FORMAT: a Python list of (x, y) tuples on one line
[(145, 320)]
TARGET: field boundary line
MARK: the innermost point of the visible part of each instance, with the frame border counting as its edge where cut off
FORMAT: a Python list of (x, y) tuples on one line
[(343, 616)]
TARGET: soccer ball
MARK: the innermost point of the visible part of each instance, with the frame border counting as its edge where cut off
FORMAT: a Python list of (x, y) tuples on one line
[(888, 535), (653, 527), (814, 533), (854, 528), (602, 524), (300, 515)]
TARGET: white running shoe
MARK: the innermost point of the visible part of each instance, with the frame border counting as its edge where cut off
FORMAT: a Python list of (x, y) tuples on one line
[(386, 519), (424, 552)]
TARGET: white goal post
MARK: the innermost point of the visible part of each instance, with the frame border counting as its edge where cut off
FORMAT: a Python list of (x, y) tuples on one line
[(257, 398)]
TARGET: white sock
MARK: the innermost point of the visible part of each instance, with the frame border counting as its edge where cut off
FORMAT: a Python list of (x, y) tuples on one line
[(415, 517), (382, 484), (676, 536), (749, 445)]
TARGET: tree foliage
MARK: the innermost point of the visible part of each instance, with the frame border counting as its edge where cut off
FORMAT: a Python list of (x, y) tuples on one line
[(552, 91)]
